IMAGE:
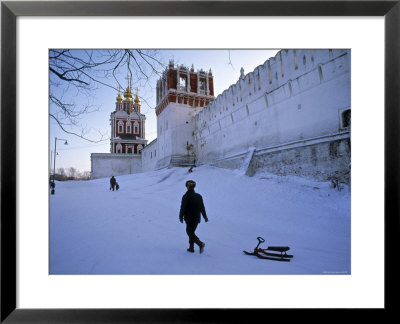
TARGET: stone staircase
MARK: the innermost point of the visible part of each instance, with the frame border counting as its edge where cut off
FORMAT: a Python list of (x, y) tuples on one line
[(175, 161)]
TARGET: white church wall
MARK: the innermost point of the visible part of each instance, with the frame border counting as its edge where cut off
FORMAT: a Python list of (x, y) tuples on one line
[(107, 164)]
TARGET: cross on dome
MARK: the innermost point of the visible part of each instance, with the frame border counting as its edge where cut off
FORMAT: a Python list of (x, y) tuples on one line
[(119, 97), (128, 93), (137, 100)]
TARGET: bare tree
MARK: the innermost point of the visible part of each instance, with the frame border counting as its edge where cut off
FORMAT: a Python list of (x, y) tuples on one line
[(76, 74), (85, 175), (61, 171), (72, 172)]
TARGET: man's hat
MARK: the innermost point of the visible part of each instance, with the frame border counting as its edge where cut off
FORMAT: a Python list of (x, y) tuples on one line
[(190, 183)]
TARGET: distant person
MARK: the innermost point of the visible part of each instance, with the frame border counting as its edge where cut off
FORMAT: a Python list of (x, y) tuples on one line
[(52, 186), (112, 183), (191, 207), (116, 186), (190, 170)]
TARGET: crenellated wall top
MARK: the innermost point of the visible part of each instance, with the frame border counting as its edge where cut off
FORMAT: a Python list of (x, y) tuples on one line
[(287, 65)]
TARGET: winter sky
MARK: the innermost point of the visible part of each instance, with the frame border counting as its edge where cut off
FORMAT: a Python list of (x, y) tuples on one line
[(225, 65)]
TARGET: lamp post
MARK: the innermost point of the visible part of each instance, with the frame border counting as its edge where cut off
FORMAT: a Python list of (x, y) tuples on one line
[(54, 161)]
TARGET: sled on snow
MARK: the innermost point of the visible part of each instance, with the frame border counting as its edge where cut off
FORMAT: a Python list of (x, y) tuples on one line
[(276, 253)]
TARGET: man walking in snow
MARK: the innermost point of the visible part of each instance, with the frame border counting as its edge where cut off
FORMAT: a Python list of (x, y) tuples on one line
[(191, 207), (113, 181)]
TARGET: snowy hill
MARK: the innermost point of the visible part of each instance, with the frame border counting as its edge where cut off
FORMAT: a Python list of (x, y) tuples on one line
[(136, 230)]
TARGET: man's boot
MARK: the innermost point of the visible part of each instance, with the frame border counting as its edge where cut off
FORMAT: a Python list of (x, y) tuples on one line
[(202, 245), (191, 248)]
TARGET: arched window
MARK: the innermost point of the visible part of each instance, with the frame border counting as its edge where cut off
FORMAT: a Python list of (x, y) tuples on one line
[(182, 83), (136, 128), (120, 126), (119, 148), (202, 87), (128, 127)]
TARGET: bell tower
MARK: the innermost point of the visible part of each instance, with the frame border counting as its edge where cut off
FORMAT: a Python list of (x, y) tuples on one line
[(181, 94), (185, 86)]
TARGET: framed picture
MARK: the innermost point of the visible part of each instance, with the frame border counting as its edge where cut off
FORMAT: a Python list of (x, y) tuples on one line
[(161, 301)]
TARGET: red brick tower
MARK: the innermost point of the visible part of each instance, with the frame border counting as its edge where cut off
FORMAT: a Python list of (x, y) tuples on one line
[(181, 94), (184, 86)]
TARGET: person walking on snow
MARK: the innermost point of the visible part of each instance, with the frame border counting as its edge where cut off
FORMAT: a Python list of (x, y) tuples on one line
[(191, 207), (112, 183)]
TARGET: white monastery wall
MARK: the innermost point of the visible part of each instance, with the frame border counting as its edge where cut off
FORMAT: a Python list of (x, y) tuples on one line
[(175, 135), (149, 156), (106, 164), (276, 104)]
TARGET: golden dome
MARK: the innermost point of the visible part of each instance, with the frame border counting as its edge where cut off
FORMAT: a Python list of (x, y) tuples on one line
[(128, 93), (137, 100), (119, 98)]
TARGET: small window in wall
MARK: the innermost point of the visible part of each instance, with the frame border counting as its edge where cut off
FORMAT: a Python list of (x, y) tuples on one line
[(249, 86), (296, 65), (136, 128), (128, 128), (346, 118)]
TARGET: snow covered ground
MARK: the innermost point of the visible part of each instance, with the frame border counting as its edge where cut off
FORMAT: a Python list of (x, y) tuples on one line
[(136, 230)]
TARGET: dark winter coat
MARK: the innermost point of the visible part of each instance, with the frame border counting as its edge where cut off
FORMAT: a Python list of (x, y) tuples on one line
[(113, 181), (191, 207)]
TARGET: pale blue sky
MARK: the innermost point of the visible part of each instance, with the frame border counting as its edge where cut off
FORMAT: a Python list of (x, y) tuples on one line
[(77, 153)]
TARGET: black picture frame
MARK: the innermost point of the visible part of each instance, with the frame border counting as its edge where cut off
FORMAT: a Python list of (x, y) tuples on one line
[(10, 10)]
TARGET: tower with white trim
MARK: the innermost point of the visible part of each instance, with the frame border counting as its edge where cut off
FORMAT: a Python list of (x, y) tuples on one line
[(181, 94), (127, 125)]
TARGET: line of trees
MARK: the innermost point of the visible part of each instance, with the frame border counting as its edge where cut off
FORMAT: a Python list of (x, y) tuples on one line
[(70, 174)]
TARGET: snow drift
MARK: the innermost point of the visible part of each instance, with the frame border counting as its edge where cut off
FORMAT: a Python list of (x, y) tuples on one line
[(136, 230)]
